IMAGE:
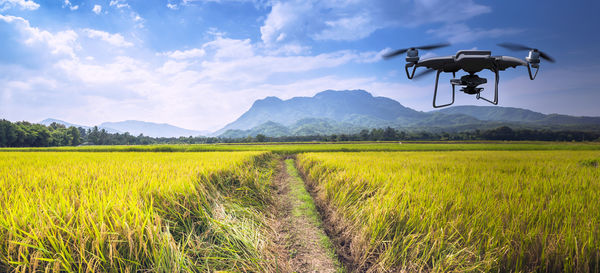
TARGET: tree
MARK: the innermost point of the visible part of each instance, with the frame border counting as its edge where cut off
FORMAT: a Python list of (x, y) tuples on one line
[(389, 134), (261, 138), (93, 135), (54, 126), (74, 136), (364, 134), (8, 133)]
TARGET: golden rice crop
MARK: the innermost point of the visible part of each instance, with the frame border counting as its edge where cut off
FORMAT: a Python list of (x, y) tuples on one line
[(130, 212), (490, 211)]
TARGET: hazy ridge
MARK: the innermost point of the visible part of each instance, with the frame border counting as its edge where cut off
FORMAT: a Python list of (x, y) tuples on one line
[(350, 111)]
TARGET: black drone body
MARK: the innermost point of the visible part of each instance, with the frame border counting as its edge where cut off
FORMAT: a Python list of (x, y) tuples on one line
[(472, 62)]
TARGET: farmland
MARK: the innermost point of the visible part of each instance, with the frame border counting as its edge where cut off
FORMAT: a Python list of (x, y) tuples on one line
[(431, 207), (465, 211), (130, 212), (302, 147)]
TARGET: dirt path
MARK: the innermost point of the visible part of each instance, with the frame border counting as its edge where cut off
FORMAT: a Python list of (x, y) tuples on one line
[(300, 242)]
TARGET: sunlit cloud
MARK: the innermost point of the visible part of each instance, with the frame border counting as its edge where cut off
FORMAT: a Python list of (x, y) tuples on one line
[(97, 9), (20, 4)]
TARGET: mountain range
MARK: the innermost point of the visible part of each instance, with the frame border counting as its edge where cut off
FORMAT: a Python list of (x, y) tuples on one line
[(350, 111), (135, 127)]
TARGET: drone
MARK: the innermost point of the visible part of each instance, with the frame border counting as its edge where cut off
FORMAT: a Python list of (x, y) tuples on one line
[(470, 61)]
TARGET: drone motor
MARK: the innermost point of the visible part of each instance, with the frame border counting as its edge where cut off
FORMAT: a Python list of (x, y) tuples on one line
[(412, 55), (533, 58)]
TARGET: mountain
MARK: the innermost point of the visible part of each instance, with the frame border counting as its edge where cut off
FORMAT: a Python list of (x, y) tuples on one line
[(356, 107), (303, 127), (511, 114), (135, 127), (494, 113), (49, 121), (349, 111)]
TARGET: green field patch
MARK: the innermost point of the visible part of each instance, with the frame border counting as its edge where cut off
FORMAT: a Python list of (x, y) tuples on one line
[(590, 162), (294, 148)]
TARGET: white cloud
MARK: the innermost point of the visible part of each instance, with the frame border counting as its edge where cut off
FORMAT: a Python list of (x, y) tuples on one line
[(257, 3), (372, 56), (288, 49), (119, 4), (349, 20), (213, 83), (182, 90), (173, 67), (225, 48), (122, 70), (441, 11), (137, 19), (70, 5), (97, 9), (461, 33), (22, 4), (59, 43), (113, 39), (347, 29), (172, 6), (282, 17), (186, 54)]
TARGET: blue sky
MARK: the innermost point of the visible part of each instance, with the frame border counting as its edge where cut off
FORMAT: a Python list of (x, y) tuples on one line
[(199, 64)]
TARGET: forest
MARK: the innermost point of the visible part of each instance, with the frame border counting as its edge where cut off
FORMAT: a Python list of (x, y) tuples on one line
[(26, 134)]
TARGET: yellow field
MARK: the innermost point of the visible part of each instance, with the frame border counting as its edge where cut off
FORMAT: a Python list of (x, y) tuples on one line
[(490, 211), (162, 212)]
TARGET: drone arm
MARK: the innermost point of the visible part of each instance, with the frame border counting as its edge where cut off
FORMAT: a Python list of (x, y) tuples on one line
[(495, 102), (437, 78), (409, 75), (537, 68)]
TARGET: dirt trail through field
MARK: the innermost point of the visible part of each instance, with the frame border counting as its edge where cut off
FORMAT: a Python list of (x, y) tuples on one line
[(300, 242)]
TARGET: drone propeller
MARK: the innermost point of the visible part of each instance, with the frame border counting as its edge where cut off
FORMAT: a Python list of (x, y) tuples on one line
[(401, 51), (518, 47), (423, 73)]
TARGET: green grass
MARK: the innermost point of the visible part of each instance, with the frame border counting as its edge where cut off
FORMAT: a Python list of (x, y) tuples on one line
[(308, 209), (307, 206)]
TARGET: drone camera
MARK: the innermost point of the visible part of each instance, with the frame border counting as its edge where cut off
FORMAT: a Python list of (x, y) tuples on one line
[(470, 82)]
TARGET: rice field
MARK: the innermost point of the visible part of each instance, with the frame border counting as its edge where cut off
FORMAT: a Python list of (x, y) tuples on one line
[(304, 147), (465, 211), (133, 212), (457, 207)]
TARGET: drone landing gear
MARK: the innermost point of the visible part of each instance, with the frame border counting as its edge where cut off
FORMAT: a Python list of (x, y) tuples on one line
[(495, 101), (537, 68), (470, 83), (437, 79)]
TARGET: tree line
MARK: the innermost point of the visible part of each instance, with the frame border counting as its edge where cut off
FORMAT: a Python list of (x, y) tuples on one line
[(25, 134), (391, 134)]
